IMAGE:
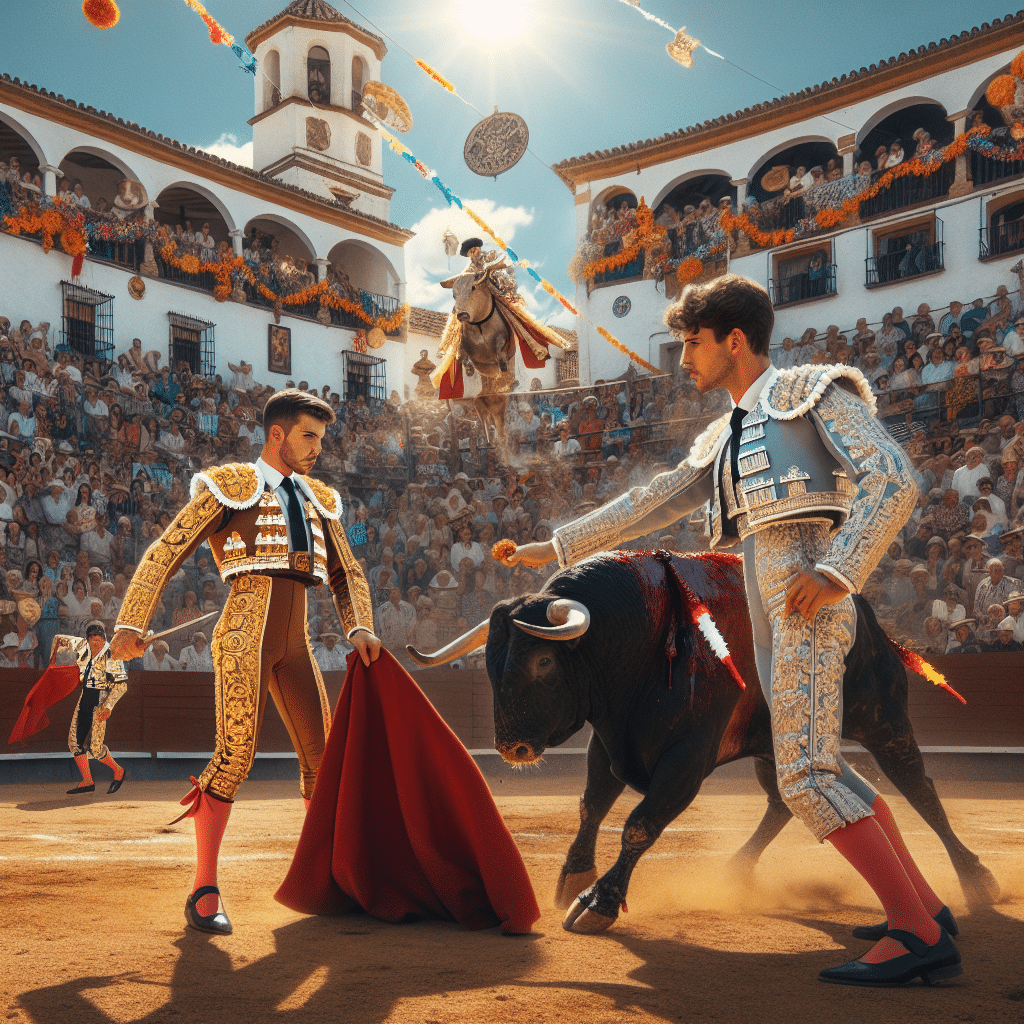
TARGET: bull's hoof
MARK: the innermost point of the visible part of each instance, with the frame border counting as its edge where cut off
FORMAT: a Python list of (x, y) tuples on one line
[(571, 885), (582, 920), (980, 886)]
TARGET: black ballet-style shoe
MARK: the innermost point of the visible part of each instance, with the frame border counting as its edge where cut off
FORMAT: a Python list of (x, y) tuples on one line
[(217, 923), (944, 919), (929, 963), (91, 788), (116, 784)]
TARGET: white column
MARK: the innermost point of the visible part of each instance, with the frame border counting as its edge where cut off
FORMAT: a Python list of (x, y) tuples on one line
[(236, 241), (961, 185), (50, 176), (741, 192), (321, 268)]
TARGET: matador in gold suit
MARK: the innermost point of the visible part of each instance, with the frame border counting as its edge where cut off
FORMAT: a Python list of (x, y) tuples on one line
[(272, 534)]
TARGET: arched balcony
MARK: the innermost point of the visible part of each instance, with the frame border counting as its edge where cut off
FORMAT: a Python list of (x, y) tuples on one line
[(612, 218), (113, 200), (366, 277), (918, 130), (790, 185), (689, 211), (19, 155), (984, 170), (283, 260), (196, 225)]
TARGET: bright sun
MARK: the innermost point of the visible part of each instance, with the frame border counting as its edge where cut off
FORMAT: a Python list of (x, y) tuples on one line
[(496, 20)]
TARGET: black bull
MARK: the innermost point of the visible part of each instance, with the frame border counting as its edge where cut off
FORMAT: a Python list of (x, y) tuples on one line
[(662, 724)]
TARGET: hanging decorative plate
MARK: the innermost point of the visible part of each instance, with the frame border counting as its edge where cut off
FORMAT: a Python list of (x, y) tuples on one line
[(496, 144), (136, 287), (386, 105), (375, 337), (621, 306)]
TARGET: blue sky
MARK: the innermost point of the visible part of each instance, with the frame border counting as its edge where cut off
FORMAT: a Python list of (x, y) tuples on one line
[(586, 75)]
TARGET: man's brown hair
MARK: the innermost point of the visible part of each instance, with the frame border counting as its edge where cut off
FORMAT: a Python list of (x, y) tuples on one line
[(722, 305), (285, 408)]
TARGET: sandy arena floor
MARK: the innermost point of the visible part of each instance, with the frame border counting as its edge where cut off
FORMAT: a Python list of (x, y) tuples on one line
[(93, 930)]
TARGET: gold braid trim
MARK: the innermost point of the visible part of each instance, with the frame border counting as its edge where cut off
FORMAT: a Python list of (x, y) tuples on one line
[(192, 525), (348, 584)]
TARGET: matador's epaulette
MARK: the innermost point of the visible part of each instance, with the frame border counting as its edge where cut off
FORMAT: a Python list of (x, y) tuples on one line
[(236, 485), (326, 498), (795, 392), (708, 442)]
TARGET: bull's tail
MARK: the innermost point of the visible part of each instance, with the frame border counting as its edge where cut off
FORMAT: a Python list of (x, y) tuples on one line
[(917, 664)]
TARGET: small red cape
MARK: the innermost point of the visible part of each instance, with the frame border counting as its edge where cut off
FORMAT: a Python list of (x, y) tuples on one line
[(52, 686), (402, 823)]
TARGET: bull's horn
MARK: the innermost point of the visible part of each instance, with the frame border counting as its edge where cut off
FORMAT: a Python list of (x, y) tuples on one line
[(569, 619), (467, 642)]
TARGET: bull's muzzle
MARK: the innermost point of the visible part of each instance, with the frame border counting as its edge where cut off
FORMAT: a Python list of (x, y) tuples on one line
[(517, 752)]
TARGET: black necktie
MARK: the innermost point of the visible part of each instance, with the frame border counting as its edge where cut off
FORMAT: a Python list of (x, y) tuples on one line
[(734, 442), (296, 520)]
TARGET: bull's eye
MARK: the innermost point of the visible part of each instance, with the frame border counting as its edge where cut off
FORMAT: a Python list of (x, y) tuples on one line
[(544, 662)]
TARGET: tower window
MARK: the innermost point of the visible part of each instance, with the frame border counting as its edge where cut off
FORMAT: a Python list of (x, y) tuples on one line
[(318, 72)]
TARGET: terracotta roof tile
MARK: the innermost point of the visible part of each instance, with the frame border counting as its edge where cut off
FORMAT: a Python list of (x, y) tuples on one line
[(202, 156)]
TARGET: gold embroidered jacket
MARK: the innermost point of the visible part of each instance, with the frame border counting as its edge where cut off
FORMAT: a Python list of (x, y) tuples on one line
[(873, 494), (244, 524)]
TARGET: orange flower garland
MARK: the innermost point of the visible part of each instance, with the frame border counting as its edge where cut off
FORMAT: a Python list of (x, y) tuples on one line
[(503, 549), (190, 264), (101, 13), (647, 234), (1001, 90), (615, 343), (689, 269), (68, 224), (218, 34)]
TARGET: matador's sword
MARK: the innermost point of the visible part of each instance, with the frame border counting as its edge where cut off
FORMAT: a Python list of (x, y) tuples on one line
[(192, 623)]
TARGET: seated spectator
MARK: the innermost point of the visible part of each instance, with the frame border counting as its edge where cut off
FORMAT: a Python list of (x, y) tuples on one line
[(963, 639), (158, 658)]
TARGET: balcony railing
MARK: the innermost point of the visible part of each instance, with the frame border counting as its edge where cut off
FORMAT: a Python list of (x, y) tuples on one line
[(123, 254), (909, 191), (630, 270), (898, 266), (800, 287), (985, 170), (1000, 239)]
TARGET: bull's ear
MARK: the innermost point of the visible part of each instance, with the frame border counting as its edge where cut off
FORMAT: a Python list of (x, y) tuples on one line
[(500, 622), (450, 283)]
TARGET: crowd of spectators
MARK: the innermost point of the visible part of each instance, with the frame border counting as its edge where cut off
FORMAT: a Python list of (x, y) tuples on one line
[(96, 458), (950, 386)]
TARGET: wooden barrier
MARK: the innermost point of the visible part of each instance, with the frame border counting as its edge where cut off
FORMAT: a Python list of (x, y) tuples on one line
[(173, 712)]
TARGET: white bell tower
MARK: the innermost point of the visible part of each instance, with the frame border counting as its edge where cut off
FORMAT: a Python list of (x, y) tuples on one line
[(308, 131)]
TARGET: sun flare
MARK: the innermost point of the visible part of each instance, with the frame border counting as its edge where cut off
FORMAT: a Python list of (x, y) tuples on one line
[(496, 22)]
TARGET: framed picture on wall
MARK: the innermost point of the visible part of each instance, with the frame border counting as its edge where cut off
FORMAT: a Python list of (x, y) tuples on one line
[(279, 349)]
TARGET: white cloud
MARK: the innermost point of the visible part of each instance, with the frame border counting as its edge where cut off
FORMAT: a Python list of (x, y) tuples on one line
[(228, 148)]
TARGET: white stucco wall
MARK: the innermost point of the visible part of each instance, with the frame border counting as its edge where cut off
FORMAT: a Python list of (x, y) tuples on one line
[(964, 277)]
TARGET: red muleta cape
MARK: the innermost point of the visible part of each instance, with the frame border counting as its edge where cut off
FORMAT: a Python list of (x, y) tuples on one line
[(402, 823), (50, 688)]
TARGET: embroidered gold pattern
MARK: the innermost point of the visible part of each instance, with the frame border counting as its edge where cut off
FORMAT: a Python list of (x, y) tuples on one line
[(885, 492), (236, 647), (348, 584), (807, 681), (164, 556)]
